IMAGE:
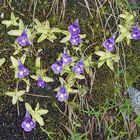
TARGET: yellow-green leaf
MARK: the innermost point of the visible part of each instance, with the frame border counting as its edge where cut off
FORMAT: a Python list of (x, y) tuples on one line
[(110, 64), (22, 59), (65, 39), (7, 23), (78, 76), (2, 60), (14, 100), (11, 94), (20, 93), (21, 25), (83, 36), (14, 62), (42, 111), (34, 77), (37, 107), (15, 32), (42, 37), (37, 63), (28, 107), (100, 53), (39, 119), (55, 30), (47, 79), (120, 38), (101, 62)]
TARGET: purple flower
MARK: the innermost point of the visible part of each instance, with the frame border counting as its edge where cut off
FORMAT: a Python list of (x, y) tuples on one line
[(57, 67), (62, 94), (22, 71), (23, 39), (74, 28), (135, 33), (28, 124), (40, 82), (109, 44), (66, 59), (75, 40), (79, 67)]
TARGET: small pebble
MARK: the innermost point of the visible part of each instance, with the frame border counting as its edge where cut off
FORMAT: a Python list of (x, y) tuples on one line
[(2, 15)]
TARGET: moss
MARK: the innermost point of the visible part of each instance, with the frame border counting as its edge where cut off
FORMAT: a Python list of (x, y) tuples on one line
[(104, 85)]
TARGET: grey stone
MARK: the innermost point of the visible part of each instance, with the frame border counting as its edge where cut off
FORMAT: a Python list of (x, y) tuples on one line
[(134, 1), (134, 95)]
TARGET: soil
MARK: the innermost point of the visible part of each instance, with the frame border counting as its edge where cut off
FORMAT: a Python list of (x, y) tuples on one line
[(10, 121)]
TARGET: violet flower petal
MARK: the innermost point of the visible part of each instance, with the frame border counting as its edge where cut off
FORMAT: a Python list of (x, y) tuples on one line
[(57, 67), (62, 94), (79, 67), (23, 39), (75, 40), (74, 28), (109, 44), (40, 82)]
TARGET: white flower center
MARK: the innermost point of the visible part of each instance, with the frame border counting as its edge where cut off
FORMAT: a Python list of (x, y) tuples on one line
[(24, 40), (74, 40), (134, 35), (78, 69), (24, 70), (110, 45), (27, 125), (21, 72), (65, 60), (57, 68), (61, 96), (74, 29)]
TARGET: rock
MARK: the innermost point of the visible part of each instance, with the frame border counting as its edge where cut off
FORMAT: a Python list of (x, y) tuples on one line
[(134, 1), (134, 94), (138, 138)]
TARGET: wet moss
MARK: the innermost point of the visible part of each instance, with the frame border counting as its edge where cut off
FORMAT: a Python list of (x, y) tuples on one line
[(104, 85)]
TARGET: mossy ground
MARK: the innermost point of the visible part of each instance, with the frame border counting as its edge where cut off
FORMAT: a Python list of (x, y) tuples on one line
[(104, 86)]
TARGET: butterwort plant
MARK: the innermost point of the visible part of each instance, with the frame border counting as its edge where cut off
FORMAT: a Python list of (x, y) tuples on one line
[(75, 40), (18, 64), (62, 94), (66, 58), (22, 70), (109, 44), (16, 95), (40, 82), (60, 64), (127, 20), (108, 58), (13, 21), (67, 86), (23, 39), (40, 75), (135, 34), (73, 35), (75, 71), (69, 65), (28, 124), (2, 60), (37, 113), (23, 34), (79, 67), (45, 31), (57, 67), (74, 30)]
